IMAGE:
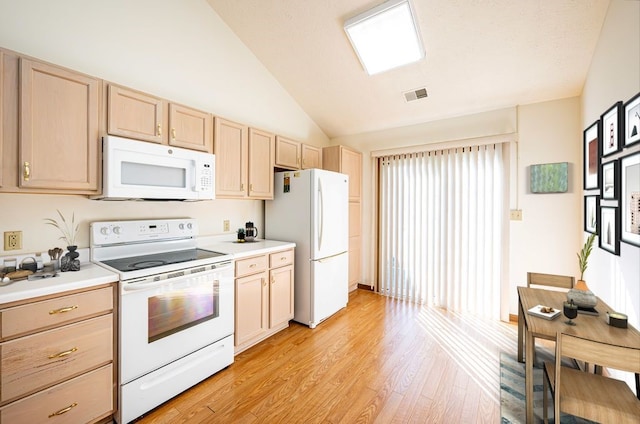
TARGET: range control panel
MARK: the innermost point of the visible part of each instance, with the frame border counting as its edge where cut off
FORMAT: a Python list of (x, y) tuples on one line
[(125, 232)]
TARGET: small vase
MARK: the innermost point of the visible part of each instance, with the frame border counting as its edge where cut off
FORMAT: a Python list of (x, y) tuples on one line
[(582, 296), (70, 261)]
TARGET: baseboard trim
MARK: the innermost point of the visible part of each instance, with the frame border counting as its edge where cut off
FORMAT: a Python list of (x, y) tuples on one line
[(513, 318)]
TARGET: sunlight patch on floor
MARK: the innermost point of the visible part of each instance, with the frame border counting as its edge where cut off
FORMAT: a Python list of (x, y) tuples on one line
[(473, 343)]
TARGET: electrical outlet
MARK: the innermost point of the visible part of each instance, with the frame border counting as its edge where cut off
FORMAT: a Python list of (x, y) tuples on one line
[(225, 225), (516, 214), (12, 240)]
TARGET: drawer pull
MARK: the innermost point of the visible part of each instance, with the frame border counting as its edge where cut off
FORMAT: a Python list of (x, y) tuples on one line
[(63, 354), (63, 310), (252, 266), (64, 410), (283, 258)]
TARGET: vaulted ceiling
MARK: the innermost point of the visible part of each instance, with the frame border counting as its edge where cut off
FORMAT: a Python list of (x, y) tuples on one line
[(480, 55)]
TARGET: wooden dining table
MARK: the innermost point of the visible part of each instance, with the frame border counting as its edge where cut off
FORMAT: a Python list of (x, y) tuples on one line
[(587, 326)]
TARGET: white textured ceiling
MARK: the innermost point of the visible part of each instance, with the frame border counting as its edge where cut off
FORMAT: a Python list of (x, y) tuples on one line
[(480, 55)]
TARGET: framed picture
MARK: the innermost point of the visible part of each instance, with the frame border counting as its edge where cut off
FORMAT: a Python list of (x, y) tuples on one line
[(632, 120), (549, 178), (610, 174), (609, 239), (591, 153), (591, 208), (611, 122), (630, 198)]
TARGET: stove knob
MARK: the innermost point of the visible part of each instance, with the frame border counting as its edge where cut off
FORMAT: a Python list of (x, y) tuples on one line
[(190, 226), (104, 231), (116, 230), (181, 226)]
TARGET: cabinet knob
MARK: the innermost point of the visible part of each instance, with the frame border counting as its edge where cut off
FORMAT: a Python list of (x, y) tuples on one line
[(173, 133), (27, 171), (158, 130), (264, 282)]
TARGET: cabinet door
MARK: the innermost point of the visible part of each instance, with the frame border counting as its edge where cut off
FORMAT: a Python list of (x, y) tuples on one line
[(136, 115), (351, 164), (311, 157), (287, 153), (1, 114), (281, 296), (59, 119), (355, 262), (231, 150), (252, 293), (190, 128), (261, 161)]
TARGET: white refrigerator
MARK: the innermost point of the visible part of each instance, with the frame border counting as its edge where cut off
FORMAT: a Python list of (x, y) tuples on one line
[(311, 208)]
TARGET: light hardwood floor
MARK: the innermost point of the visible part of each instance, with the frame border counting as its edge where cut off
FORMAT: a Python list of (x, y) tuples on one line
[(377, 361)]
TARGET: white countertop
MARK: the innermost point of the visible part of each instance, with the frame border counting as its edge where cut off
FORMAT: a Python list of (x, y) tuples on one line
[(243, 250), (89, 275)]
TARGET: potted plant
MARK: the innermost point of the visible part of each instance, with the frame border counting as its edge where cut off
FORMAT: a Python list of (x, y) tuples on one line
[(69, 261), (241, 235), (580, 294)]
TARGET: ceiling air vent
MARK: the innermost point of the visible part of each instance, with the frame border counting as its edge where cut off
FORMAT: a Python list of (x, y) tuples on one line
[(420, 93)]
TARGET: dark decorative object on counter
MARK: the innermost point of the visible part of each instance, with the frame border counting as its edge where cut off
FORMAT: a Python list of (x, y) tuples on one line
[(70, 261)]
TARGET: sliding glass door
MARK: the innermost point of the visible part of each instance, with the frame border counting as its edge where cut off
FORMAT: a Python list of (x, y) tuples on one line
[(441, 219)]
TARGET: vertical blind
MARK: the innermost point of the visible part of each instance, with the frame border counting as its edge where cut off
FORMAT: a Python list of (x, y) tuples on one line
[(441, 220)]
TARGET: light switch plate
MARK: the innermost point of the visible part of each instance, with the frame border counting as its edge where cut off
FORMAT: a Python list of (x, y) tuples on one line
[(516, 214), (225, 225)]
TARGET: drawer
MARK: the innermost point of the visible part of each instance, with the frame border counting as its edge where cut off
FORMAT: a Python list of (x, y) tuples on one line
[(279, 259), (39, 360), (84, 399), (250, 266), (54, 312)]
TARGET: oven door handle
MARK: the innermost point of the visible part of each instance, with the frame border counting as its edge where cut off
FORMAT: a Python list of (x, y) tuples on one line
[(144, 285)]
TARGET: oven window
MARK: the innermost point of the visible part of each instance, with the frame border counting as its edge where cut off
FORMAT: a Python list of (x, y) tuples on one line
[(182, 308), (142, 174)]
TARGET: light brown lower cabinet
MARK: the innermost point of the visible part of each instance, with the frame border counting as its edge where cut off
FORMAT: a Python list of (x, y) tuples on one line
[(264, 297), (56, 358)]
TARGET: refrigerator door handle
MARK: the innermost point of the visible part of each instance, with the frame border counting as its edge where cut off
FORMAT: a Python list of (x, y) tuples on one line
[(320, 214)]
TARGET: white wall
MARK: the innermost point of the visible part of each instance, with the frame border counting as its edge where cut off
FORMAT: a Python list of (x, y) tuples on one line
[(179, 50), (550, 234), (615, 75)]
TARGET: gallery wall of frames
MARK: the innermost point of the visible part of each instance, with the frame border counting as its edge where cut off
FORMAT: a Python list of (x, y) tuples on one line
[(612, 176)]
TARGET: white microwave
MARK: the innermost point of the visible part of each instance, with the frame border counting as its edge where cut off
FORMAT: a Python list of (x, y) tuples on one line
[(139, 170)]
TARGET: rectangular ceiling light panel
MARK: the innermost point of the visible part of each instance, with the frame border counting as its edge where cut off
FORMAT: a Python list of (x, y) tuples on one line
[(385, 37)]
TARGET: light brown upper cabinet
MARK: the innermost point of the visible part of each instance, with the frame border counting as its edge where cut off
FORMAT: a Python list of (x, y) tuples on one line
[(58, 137), (232, 158), (244, 161), (190, 128), (261, 161), (291, 154), (1, 114), (311, 157), (137, 115), (347, 161), (141, 116), (287, 153)]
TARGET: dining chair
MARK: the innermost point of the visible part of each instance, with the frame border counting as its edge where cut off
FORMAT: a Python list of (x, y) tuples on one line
[(563, 282), (592, 396)]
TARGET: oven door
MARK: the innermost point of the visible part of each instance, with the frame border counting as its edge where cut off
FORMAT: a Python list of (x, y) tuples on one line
[(162, 321)]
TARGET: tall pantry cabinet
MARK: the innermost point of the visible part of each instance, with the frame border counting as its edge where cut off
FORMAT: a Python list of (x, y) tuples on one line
[(348, 161)]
